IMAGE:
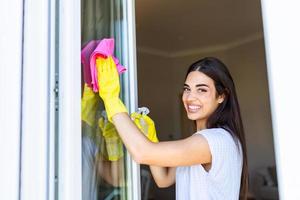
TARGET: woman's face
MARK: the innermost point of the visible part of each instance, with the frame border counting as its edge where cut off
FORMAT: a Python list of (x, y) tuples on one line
[(199, 98)]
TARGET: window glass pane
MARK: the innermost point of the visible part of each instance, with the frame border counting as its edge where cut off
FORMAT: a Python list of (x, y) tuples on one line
[(103, 155)]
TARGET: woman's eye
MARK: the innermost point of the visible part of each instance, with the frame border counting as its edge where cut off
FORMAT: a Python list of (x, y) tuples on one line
[(202, 90), (186, 89)]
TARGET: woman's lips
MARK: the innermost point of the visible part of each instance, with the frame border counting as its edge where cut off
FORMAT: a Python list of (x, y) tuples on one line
[(193, 108)]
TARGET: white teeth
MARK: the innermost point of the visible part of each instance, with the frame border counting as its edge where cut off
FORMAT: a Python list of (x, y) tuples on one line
[(193, 107)]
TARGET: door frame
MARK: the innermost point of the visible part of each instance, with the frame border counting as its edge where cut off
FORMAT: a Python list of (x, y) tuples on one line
[(282, 43), (69, 182)]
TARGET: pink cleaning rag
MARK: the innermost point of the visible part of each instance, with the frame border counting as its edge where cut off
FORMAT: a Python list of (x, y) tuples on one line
[(104, 49), (85, 60)]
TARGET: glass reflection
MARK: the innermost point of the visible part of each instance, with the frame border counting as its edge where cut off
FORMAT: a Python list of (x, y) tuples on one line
[(103, 161)]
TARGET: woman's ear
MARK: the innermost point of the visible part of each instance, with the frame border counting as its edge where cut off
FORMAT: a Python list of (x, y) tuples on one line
[(221, 98)]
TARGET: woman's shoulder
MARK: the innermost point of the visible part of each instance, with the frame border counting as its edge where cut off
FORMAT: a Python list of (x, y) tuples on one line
[(218, 135), (214, 131), (221, 142)]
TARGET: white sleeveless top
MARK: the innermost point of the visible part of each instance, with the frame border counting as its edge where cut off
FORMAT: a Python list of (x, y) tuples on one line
[(222, 181)]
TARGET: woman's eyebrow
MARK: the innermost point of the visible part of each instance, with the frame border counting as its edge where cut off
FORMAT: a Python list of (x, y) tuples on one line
[(186, 85), (199, 85)]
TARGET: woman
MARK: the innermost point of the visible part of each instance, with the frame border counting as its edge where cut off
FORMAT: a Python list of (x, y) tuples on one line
[(210, 164)]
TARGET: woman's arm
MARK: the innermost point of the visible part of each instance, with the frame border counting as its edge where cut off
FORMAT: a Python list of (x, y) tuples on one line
[(189, 151), (163, 176), (111, 171)]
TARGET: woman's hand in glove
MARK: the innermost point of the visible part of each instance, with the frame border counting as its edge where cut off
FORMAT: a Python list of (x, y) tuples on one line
[(109, 86), (146, 125), (89, 106)]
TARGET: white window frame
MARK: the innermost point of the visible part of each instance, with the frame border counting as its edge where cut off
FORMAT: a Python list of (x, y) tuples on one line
[(282, 41), (11, 23), (69, 131), (131, 91), (37, 147), (69, 98)]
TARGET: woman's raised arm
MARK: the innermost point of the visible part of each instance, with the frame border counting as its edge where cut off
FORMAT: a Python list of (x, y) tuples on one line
[(189, 151)]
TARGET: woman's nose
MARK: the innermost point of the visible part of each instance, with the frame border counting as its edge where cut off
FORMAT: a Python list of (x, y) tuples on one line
[(190, 96)]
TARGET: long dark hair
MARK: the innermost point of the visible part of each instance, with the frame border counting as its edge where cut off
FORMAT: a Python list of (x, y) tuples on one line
[(227, 115)]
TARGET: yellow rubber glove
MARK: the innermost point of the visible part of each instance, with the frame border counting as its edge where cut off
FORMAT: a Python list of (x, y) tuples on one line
[(101, 144), (109, 86), (89, 106), (113, 141), (146, 125)]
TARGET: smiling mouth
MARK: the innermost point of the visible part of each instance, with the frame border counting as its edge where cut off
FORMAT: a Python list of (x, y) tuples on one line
[(193, 108)]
